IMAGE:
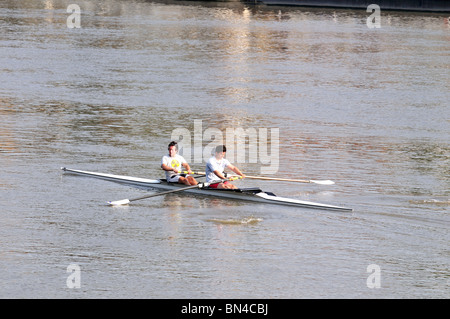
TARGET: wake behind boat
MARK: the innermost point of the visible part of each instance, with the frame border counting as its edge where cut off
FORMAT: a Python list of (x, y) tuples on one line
[(247, 194)]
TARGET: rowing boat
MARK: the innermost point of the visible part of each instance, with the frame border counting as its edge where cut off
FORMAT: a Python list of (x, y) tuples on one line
[(248, 194)]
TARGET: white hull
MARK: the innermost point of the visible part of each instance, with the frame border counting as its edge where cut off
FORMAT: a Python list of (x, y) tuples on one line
[(249, 194)]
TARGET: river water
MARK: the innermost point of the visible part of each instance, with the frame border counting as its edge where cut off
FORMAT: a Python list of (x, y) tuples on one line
[(365, 107)]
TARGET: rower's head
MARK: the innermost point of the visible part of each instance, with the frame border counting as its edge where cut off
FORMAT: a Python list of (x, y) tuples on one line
[(220, 151), (173, 148)]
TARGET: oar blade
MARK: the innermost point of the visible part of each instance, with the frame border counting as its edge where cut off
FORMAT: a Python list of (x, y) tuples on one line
[(326, 182), (119, 202)]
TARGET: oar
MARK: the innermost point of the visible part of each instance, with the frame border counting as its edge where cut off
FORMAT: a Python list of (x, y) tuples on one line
[(127, 201), (192, 173), (234, 177), (324, 182), (321, 182)]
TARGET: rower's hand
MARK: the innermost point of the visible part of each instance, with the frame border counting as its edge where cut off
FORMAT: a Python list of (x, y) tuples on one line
[(175, 171), (243, 176)]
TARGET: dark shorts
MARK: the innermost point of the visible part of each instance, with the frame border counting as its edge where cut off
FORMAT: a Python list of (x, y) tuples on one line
[(175, 178)]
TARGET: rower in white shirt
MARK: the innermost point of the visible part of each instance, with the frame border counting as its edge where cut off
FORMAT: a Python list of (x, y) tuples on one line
[(215, 169), (172, 164)]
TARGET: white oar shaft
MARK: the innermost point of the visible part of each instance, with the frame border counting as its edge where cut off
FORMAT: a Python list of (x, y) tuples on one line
[(326, 182), (321, 182), (127, 201)]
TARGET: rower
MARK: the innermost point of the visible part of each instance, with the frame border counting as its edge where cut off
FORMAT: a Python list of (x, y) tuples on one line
[(215, 169), (172, 164)]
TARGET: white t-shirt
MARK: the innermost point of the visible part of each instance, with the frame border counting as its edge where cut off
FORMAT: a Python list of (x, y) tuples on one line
[(215, 165), (174, 162)]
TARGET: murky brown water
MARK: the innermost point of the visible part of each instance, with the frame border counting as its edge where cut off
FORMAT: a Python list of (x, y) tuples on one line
[(366, 108)]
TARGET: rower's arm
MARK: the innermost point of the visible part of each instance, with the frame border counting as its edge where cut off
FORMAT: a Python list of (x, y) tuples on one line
[(167, 167), (236, 170), (219, 174), (187, 167)]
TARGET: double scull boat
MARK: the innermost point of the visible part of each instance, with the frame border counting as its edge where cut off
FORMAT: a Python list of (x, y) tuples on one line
[(248, 194)]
